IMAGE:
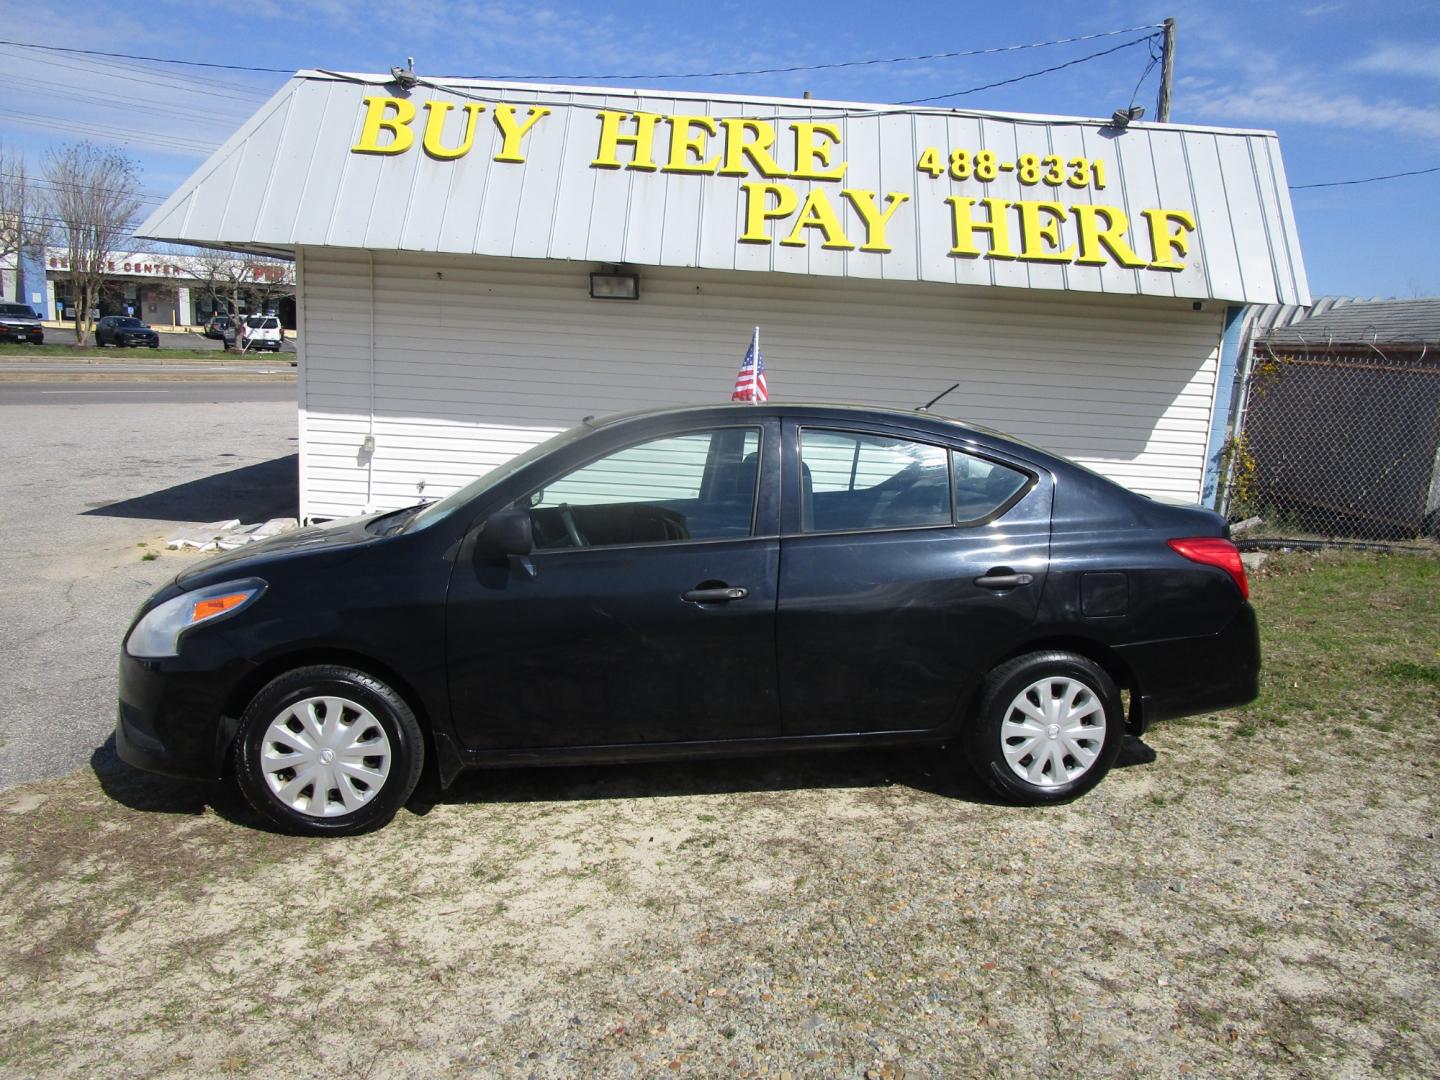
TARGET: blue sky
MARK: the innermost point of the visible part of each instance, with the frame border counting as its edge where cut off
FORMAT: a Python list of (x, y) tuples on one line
[(1353, 88)]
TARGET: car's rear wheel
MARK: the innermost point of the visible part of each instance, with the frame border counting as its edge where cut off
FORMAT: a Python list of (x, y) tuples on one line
[(1048, 728), (328, 751)]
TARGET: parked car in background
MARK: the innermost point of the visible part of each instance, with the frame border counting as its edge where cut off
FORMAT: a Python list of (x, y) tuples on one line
[(18, 322), (216, 326), (125, 330), (721, 580), (261, 332)]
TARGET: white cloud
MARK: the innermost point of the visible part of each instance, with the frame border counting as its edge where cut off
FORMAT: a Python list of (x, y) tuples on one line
[(1422, 60), (1278, 101)]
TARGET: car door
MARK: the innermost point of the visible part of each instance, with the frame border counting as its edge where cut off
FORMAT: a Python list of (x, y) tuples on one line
[(646, 613), (908, 564)]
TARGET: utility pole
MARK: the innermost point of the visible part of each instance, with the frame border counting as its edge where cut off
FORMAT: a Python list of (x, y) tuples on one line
[(1167, 69)]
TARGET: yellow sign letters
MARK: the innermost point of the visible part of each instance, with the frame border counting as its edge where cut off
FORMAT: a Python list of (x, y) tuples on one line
[(764, 158)]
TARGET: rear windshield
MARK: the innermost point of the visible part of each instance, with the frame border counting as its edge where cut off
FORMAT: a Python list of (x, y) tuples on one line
[(17, 309), (261, 322)]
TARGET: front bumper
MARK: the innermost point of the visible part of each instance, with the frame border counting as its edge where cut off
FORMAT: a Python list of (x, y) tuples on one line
[(137, 340), (1185, 676), (33, 335), (171, 714)]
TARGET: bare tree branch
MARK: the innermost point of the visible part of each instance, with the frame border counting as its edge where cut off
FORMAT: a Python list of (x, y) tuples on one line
[(93, 194)]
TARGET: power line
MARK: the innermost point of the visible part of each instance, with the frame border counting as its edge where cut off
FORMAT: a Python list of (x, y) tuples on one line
[(826, 67), (160, 141), (829, 112), (1030, 75), (103, 96), (62, 185), (191, 84), (1364, 180), (147, 59)]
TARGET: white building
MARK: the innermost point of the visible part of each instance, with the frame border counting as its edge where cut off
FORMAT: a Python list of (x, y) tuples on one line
[(172, 289), (1082, 283)]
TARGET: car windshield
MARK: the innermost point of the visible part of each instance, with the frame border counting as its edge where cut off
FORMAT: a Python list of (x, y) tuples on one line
[(130, 324), (437, 511), (17, 309)]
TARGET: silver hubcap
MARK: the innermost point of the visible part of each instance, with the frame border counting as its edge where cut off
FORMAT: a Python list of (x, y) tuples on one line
[(325, 756), (1053, 731)]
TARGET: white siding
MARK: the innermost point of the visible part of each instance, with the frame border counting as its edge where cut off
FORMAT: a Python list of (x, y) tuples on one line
[(477, 359)]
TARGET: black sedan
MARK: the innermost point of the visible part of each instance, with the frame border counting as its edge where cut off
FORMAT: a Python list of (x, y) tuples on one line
[(125, 330), (703, 581)]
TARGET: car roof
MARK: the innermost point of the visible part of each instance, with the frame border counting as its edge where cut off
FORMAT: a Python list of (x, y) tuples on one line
[(830, 409)]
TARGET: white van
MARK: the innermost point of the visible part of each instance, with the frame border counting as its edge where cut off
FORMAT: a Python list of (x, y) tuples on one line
[(261, 332)]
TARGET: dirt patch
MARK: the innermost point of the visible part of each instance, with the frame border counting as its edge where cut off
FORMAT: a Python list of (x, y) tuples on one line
[(1262, 897)]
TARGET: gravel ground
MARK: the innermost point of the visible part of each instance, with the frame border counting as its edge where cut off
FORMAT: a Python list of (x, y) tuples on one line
[(1254, 893)]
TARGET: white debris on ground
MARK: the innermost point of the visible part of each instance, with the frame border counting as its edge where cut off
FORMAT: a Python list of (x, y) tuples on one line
[(228, 535)]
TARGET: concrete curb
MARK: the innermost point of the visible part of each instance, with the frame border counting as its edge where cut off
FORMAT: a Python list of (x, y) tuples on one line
[(153, 376)]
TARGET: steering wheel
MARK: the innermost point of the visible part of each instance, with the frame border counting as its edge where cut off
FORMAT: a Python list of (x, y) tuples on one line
[(568, 520)]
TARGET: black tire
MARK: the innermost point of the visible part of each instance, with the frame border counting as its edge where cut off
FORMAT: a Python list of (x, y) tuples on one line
[(985, 745), (389, 710)]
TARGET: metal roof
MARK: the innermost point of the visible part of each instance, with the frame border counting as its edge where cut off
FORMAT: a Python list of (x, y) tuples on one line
[(296, 175), (1347, 322)]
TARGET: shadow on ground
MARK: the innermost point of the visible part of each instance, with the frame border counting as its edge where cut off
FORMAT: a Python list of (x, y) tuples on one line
[(938, 772), (250, 493), (155, 794)]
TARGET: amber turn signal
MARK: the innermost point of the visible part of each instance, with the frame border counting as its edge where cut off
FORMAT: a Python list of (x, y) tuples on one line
[(216, 605)]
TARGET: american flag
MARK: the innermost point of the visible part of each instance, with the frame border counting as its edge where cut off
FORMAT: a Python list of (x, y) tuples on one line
[(750, 383)]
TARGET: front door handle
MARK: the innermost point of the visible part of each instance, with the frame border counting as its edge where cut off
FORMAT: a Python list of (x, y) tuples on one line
[(721, 595), (1003, 580)]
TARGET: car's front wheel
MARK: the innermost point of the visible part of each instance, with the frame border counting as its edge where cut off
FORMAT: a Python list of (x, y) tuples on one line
[(328, 751), (1048, 728)]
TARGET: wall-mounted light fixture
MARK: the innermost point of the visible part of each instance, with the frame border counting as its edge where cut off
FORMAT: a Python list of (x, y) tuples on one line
[(1122, 118), (614, 285)]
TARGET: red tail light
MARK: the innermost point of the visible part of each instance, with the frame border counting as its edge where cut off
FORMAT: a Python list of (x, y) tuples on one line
[(1215, 551)]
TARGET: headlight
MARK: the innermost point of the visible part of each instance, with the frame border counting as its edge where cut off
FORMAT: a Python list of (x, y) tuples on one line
[(158, 633)]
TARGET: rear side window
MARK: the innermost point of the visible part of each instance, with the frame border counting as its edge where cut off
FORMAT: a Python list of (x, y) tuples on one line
[(854, 481), (695, 486), (983, 487)]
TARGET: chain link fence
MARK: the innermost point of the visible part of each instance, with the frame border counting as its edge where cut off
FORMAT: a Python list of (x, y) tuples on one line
[(1338, 444)]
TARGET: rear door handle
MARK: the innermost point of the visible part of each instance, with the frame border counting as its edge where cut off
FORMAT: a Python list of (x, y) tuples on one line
[(722, 595), (1004, 581)]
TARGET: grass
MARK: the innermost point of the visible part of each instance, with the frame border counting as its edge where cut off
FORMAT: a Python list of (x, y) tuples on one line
[(1260, 899), (65, 349), (1350, 641)]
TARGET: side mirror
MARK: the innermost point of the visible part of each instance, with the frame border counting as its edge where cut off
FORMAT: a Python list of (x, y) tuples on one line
[(506, 532)]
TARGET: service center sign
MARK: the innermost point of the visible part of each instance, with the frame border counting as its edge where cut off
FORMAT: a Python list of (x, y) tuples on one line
[(771, 160)]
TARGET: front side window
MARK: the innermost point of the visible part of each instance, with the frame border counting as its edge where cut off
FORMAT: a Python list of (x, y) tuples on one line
[(695, 486), (853, 481)]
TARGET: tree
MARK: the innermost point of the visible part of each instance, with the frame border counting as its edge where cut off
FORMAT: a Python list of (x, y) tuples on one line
[(24, 224), (243, 282), (94, 198)]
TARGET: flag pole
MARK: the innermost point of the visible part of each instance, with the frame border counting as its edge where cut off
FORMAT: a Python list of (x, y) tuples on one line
[(755, 344)]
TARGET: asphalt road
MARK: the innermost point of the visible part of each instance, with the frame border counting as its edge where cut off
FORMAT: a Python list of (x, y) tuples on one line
[(134, 393), (89, 478)]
